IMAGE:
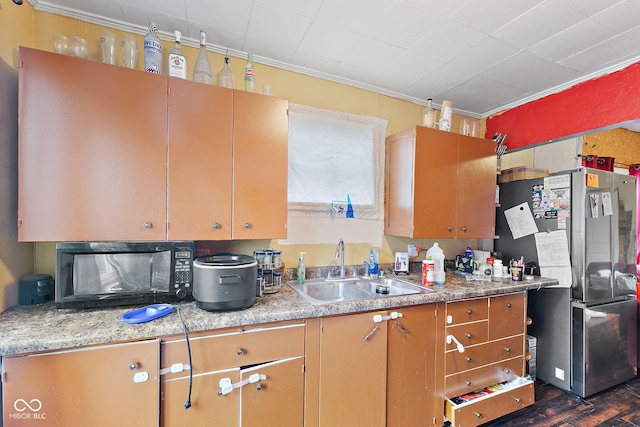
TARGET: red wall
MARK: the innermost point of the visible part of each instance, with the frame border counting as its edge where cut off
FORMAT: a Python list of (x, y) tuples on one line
[(595, 104)]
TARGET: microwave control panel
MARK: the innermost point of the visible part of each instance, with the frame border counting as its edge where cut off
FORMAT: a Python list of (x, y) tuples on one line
[(183, 271)]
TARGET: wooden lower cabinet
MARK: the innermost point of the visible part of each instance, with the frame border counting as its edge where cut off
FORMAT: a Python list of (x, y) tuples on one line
[(492, 333), (378, 369), (264, 367), (115, 385)]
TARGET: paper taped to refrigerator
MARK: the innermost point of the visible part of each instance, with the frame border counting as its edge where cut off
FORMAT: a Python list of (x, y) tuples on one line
[(520, 220), (552, 248)]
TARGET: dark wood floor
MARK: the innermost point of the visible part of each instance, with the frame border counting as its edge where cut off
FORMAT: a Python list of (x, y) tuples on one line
[(618, 406)]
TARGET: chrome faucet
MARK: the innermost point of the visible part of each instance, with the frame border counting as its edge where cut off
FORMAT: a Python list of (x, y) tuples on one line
[(340, 253)]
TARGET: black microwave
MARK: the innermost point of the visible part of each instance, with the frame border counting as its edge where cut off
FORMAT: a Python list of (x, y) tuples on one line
[(100, 274)]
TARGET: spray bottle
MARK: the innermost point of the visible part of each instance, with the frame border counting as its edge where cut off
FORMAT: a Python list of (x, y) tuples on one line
[(301, 269)]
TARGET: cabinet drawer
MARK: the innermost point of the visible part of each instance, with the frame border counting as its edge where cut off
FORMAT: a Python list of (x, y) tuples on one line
[(235, 349), (468, 334), (507, 315), (484, 354), (476, 379), (467, 311), (494, 405)]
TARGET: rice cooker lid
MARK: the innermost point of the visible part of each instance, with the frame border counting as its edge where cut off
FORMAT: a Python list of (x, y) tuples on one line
[(226, 260)]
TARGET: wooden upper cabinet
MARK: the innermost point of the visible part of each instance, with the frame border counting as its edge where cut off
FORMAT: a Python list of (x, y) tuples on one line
[(200, 161), (109, 153), (260, 162), (439, 185), (91, 152)]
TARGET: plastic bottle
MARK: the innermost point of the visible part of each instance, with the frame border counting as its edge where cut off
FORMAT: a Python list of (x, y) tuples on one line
[(202, 69), (497, 268), (152, 50), (249, 75), (373, 263), (301, 269), (177, 60), (437, 255), (468, 253), (226, 75), (429, 115)]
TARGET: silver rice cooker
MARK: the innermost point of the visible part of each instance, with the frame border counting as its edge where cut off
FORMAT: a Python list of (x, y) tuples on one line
[(225, 282)]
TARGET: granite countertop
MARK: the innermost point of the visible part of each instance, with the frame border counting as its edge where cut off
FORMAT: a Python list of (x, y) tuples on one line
[(44, 327)]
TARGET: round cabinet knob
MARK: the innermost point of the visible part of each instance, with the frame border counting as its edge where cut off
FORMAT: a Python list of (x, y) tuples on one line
[(507, 371), (247, 225), (468, 383), (469, 335), (464, 229), (469, 311), (507, 349), (134, 365), (509, 305), (478, 414), (468, 359), (518, 400), (450, 228), (259, 387), (147, 225), (241, 351), (217, 226)]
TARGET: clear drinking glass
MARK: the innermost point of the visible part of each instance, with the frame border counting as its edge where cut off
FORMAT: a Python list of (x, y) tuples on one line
[(61, 44), (129, 51), (108, 47)]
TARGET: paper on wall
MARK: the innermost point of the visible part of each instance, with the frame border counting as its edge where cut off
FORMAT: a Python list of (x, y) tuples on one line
[(553, 256), (520, 220)]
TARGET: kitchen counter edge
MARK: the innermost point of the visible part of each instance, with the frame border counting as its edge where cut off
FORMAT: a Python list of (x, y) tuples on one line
[(28, 329)]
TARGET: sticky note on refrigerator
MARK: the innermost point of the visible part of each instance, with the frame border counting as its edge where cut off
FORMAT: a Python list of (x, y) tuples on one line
[(593, 180)]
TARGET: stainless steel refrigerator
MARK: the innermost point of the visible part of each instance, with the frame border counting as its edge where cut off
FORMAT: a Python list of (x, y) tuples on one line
[(586, 330)]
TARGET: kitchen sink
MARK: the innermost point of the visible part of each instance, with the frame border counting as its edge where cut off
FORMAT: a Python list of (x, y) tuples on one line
[(323, 291)]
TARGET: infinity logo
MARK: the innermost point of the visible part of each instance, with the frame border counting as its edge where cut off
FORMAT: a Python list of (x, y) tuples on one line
[(21, 405)]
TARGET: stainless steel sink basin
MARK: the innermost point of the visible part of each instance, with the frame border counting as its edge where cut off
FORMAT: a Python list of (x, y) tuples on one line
[(321, 291)]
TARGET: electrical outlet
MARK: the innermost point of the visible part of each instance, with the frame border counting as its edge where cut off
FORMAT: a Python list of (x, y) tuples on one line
[(560, 374)]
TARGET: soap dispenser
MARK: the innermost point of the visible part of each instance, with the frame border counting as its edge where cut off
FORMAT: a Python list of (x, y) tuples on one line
[(301, 269)]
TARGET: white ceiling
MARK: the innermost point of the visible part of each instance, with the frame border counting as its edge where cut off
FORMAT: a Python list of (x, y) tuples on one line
[(483, 55)]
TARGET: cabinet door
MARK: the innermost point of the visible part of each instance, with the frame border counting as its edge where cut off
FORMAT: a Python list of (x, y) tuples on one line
[(476, 195), (353, 360), (200, 159), (436, 183), (260, 153), (276, 400), (207, 405), (114, 385), (91, 151), (415, 368)]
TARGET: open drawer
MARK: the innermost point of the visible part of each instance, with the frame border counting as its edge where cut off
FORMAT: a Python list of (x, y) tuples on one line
[(516, 395)]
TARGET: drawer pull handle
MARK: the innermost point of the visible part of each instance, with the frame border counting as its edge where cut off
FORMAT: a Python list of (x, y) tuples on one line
[(518, 400), (241, 351), (468, 383), (259, 387), (147, 225), (507, 371), (370, 334), (468, 359), (134, 365), (217, 226), (469, 335), (507, 349), (469, 311), (509, 305), (478, 414)]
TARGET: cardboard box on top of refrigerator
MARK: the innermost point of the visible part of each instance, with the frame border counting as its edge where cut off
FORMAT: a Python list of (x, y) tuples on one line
[(521, 172)]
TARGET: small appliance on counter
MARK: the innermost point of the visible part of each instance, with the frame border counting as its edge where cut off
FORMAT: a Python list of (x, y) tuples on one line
[(100, 274), (270, 269), (35, 289), (225, 282)]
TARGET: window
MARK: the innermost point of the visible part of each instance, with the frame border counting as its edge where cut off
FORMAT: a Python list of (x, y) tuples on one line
[(334, 156)]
